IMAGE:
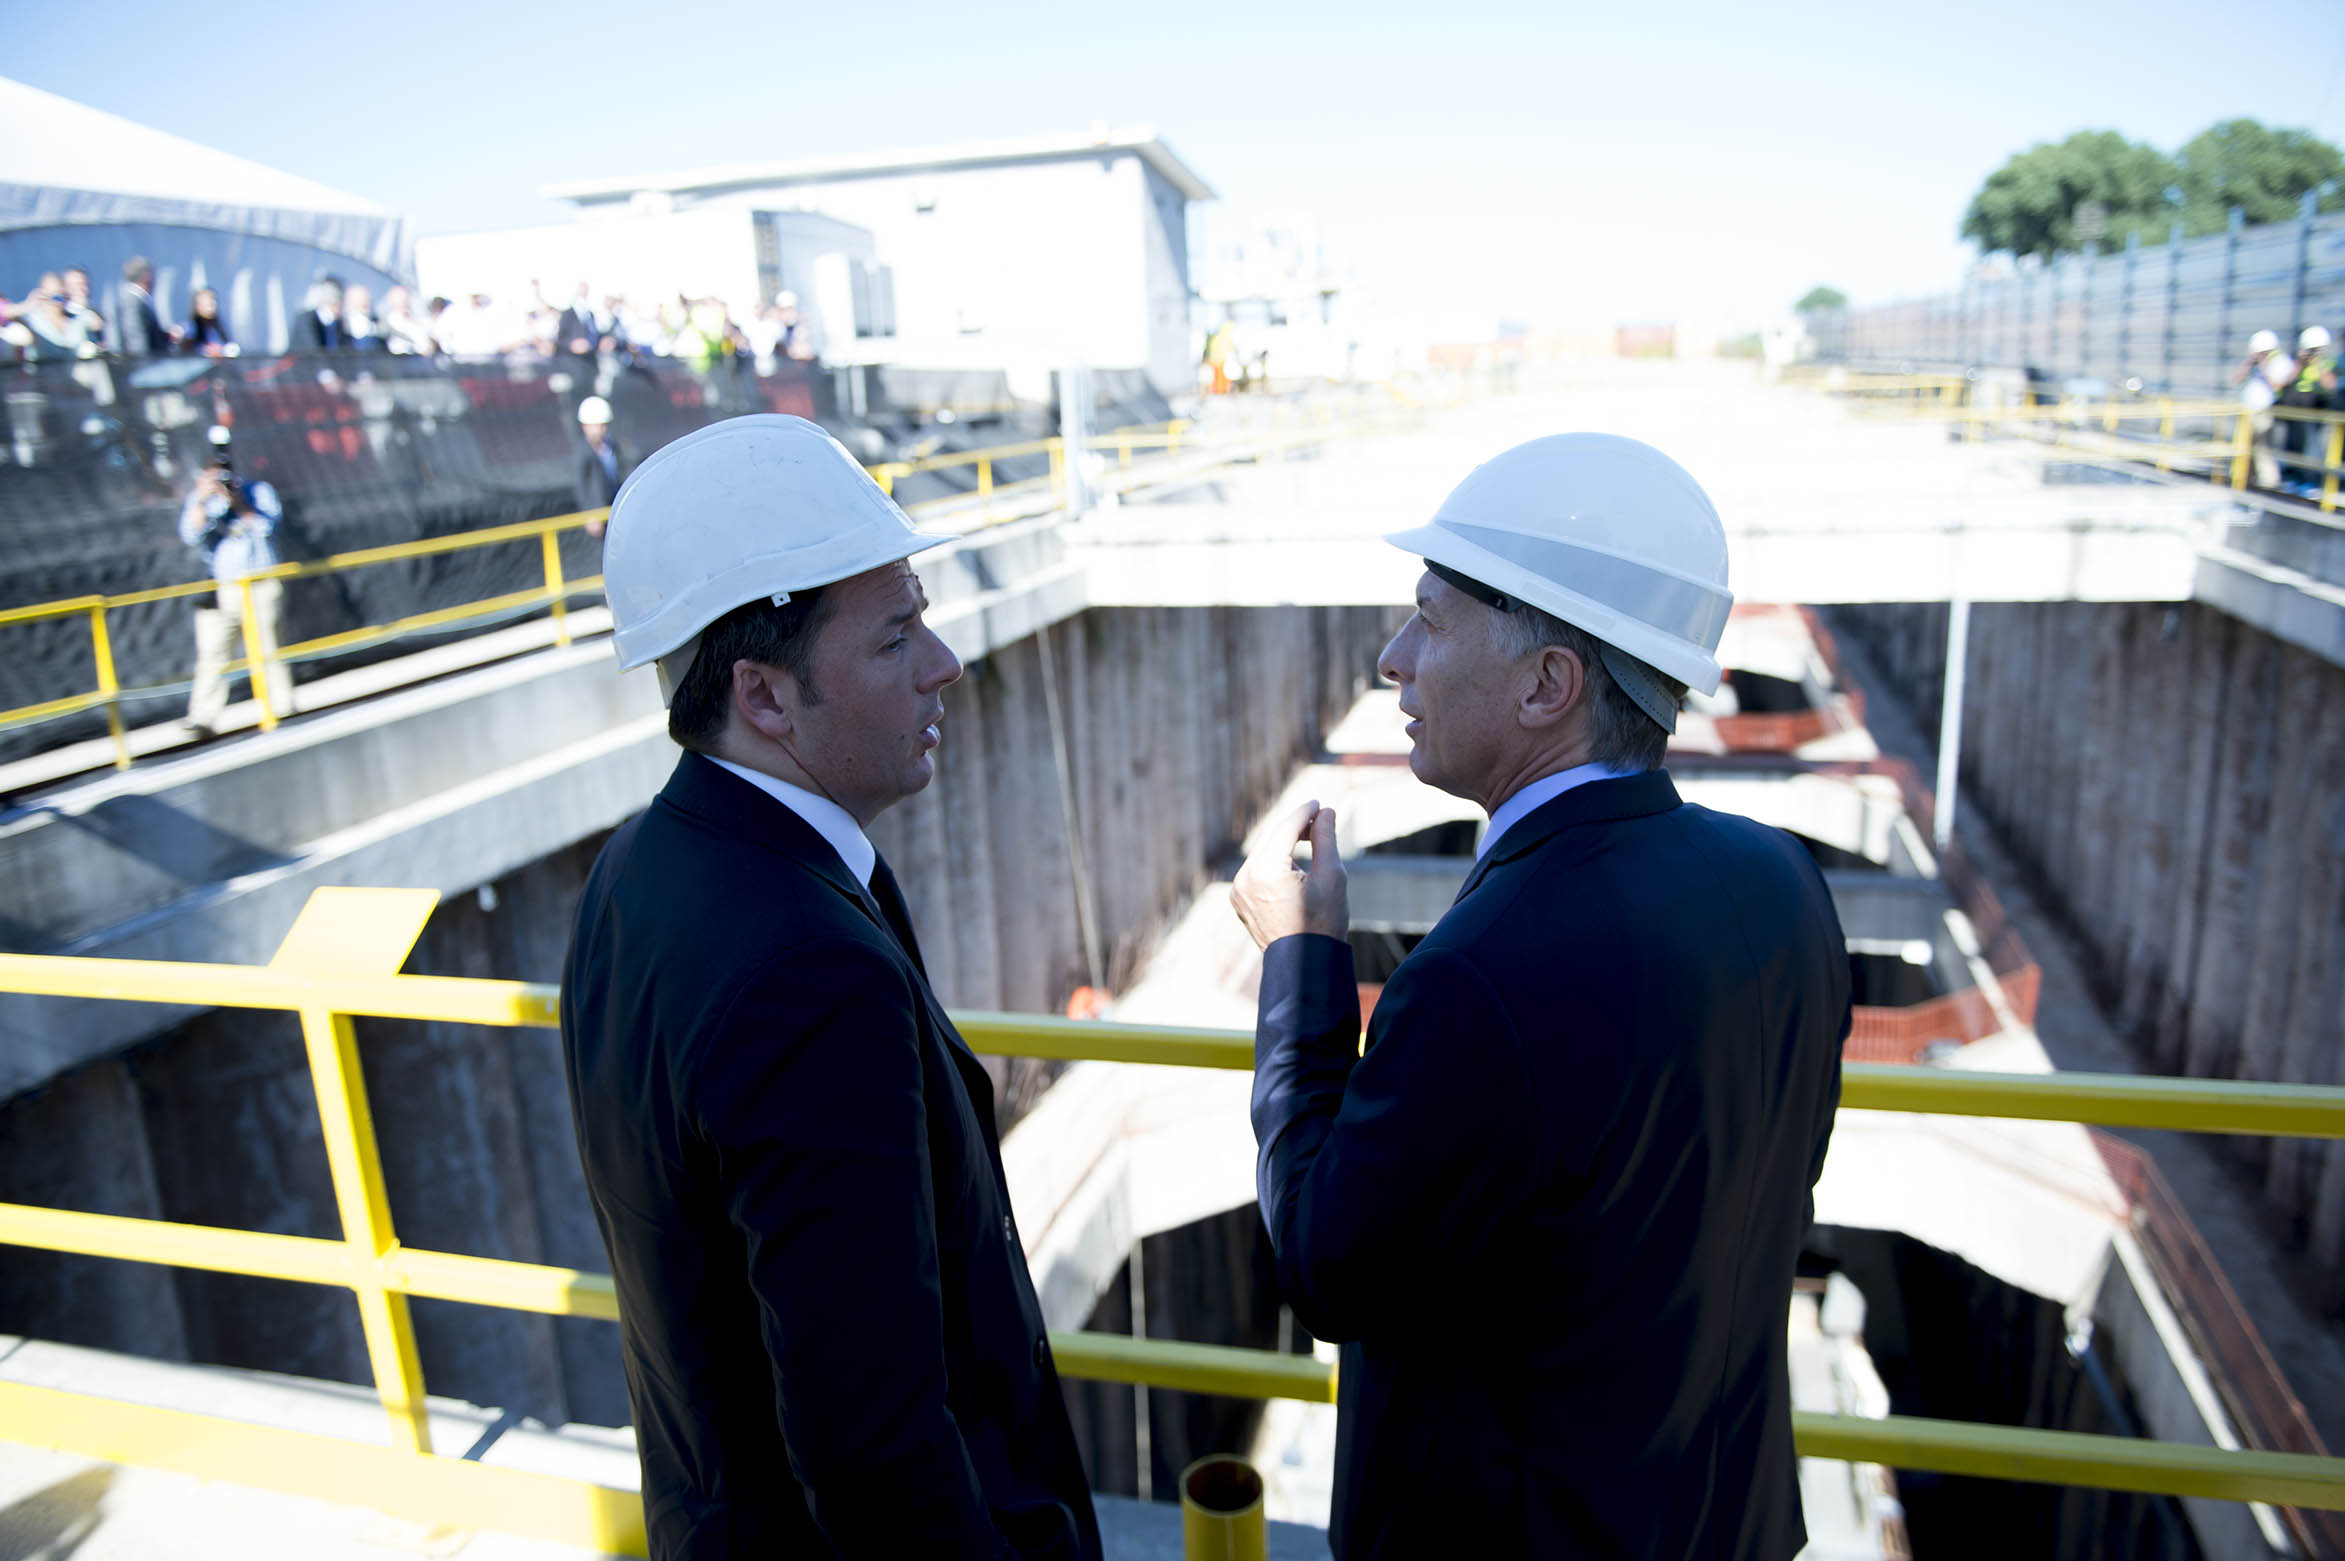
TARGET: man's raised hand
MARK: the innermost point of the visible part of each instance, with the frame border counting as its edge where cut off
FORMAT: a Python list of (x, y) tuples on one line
[(1275, 898)]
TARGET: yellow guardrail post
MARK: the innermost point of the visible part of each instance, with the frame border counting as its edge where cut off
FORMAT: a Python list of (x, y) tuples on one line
[(102, 646), (1058, 470), (256, 665), (2165, 429), (1175, 428), (553, 554), (2241, 434), (2329, 463), (362, 932)]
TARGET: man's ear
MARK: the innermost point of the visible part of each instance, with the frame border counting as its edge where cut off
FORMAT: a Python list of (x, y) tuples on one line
[(765, 698), (1558, 685)]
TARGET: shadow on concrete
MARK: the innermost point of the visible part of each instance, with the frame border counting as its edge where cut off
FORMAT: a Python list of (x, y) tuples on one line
[(172, 841), (52, 1522)]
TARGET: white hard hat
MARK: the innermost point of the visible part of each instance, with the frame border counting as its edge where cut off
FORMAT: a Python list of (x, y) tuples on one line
[(2262, 342), (1609, 535), (594, 409), (751, 507), (2311, 337)]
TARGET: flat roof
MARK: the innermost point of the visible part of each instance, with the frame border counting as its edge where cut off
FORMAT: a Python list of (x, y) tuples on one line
[(1141, 141)]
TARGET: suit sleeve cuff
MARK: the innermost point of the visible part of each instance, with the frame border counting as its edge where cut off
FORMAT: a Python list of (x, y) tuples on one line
[(1310, 991)]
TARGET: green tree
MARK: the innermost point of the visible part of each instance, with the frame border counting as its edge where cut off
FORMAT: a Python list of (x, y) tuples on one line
[(1820, 300), (2263, 172), (2095, 188)]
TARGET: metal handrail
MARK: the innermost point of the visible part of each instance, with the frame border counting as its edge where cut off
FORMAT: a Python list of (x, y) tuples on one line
[(2228, 457), (556, 593), (340, 961)]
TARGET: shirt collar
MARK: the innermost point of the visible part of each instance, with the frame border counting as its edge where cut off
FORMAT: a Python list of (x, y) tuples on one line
[(1538, 793), (834, 823)]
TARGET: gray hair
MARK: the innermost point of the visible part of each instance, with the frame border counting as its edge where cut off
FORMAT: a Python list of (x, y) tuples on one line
[(1620, 736)]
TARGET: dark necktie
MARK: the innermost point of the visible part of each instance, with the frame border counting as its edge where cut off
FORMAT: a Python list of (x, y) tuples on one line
[(891, 908)]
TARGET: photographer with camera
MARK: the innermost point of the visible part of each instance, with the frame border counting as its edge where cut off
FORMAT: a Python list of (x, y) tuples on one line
[(232, 519)]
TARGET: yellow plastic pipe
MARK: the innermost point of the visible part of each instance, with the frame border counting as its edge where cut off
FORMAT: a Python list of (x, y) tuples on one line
[(1221, 1511)]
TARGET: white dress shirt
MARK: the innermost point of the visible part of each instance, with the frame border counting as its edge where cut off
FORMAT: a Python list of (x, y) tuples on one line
[(834, 823), (1539, 792)]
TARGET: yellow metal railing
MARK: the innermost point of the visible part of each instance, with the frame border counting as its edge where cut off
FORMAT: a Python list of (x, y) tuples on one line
[(2100, 428), (340, 960), (557, 591)]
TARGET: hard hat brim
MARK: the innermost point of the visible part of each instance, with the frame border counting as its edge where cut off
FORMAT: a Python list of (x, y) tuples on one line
[(1695, 610), (791, 571)]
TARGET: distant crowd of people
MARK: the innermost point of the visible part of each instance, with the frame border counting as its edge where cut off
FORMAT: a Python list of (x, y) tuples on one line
[(58, 318), (2288, 451)]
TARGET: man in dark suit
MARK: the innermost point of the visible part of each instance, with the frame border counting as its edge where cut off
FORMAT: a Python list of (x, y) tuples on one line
[(143, 333), (602, 465), (832, 1344), (1593, 1100), (576, 332), (322, 326)]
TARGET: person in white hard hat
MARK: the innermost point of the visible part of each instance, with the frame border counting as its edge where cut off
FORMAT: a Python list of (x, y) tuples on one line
[(602, 465), (1595, 1097), (2261, 379), (831, 1341), (2312, 387)]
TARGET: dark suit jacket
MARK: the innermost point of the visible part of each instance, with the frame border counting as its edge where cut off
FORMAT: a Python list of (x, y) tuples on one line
[(1552, 1214), (143, 331), (831, 1342), (597, 487), (576, 324), (325, 335)]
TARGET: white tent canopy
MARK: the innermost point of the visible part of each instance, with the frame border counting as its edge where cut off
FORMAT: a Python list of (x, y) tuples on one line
[(83, 187)]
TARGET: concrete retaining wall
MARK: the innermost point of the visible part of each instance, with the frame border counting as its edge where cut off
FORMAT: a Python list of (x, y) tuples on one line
[(2174, 781)]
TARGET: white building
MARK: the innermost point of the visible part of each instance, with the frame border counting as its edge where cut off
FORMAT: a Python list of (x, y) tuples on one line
[(1019, 255)]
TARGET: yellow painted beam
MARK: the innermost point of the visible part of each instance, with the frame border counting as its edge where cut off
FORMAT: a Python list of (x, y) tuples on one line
[(444, 1492), (2119, 1463), (1193, 1368), (483, 1281), (304, 1258), (2106, 1099), (1042, 1035), (455, 999)]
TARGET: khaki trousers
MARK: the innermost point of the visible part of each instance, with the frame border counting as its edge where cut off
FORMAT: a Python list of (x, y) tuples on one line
[(219, 639)]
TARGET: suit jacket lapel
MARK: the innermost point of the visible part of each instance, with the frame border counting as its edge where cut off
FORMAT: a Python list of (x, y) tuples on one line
[(732, 805)]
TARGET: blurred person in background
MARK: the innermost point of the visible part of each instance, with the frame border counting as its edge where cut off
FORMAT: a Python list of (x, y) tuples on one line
[(322, 329), (359, 322), (51, 319), (205, 333), (2311, 389), (602, 465), (78, 305), (403, 332), (2261, 378), (575, 331), (470, 330), (139, 330), (231, 521), (611, 324)]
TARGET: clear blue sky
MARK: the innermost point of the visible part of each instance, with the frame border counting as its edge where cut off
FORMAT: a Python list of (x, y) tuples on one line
[(1548, 162)]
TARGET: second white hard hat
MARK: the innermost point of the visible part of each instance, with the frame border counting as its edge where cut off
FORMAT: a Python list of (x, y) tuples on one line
[(2312, 338), (751, 507), (2263, 342), (594, 409), (1606, 533)]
